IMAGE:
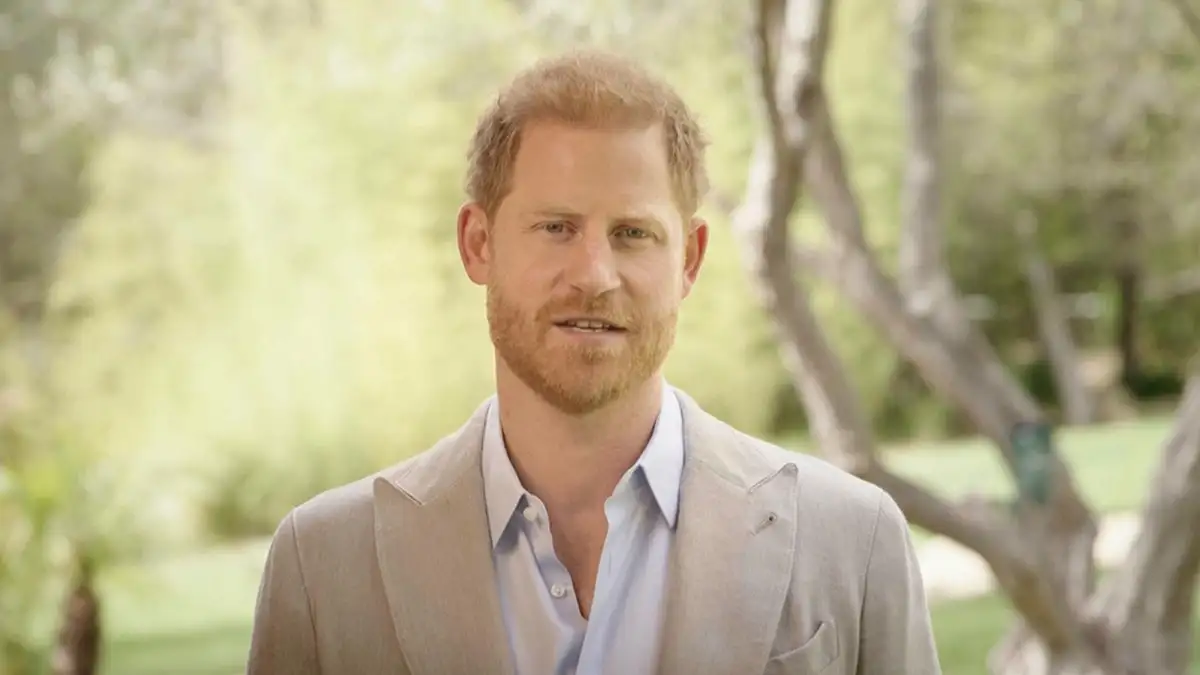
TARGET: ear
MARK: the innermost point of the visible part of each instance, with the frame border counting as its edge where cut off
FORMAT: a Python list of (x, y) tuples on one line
[(473, 248), (694, 250)]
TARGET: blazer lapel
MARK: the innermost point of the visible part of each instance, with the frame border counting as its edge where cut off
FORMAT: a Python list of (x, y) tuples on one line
[(733, 553), (434, 552)]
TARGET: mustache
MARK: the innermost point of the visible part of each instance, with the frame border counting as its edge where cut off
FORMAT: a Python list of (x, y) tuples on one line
[(604, 307)]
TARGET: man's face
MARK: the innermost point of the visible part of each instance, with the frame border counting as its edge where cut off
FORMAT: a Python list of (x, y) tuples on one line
[(586, 262)]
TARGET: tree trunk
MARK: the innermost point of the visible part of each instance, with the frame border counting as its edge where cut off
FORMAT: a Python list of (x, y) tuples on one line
[(77, 651), (1129, 293), (1078, 404), (1039, 549)]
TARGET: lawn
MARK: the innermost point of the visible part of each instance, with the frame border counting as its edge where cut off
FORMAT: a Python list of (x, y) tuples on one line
[(190, 615), (1112, 463)]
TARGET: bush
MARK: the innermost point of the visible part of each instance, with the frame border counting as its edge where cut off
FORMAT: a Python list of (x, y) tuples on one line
[(250, 489), (1152, 386)]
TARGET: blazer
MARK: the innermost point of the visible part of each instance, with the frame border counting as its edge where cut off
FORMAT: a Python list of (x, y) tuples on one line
[(782, 564)]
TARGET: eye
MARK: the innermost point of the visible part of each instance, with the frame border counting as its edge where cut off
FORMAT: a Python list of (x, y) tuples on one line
[(555, 226), (630, 232)]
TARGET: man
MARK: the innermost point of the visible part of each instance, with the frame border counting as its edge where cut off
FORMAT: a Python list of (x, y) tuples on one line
[(590, 518)]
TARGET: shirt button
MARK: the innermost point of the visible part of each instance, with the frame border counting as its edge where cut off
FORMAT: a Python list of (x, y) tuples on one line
[(558, 590), (530, 514)]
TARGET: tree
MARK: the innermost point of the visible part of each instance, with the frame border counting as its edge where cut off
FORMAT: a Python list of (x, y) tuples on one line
[(1040, 548), (73, 74), (1083, 132)]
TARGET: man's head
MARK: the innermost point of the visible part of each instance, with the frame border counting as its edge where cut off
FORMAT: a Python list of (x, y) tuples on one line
[(584, 180)]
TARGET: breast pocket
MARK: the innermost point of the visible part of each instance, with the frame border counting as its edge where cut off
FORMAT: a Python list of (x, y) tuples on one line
[(811, 658)]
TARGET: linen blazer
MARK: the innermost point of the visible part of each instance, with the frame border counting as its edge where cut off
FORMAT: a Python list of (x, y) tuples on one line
[(782, 565)]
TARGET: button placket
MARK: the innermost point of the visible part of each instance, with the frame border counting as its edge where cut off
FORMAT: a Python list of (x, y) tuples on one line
[(539, 535)]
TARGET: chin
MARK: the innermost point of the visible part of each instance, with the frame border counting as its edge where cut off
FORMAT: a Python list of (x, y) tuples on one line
[(581, 401), (579, 390)]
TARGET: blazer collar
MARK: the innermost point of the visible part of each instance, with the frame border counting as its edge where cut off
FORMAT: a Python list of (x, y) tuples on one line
[(432, 544), (733, 553), (732, 556)]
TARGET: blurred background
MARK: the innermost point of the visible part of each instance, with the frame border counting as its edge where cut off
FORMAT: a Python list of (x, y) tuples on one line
[(228, 277)]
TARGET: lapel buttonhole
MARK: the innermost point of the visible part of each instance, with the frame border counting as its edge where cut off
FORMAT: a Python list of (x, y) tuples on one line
[(766, 522)]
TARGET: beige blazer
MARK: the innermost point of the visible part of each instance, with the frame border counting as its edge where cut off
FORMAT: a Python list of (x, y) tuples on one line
[(783, 564)]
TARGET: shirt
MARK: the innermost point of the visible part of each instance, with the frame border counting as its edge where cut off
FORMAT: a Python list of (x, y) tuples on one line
[(547, 633)]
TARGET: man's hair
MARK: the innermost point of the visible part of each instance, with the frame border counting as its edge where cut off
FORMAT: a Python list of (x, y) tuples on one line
[(590, 89)]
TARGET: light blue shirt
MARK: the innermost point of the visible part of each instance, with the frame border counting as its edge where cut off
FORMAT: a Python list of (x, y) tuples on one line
[(547, 633)]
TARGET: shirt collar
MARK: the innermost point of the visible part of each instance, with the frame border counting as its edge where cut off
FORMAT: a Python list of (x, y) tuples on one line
[(661, 465), (502, 488)]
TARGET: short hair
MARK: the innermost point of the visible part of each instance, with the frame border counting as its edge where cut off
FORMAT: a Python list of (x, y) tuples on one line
[(593, 89)]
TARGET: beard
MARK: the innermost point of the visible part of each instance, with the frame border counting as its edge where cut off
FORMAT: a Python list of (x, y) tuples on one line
[(579, 379)]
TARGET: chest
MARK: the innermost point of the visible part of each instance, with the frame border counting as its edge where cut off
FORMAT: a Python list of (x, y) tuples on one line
[(587, 594), (579, 545)]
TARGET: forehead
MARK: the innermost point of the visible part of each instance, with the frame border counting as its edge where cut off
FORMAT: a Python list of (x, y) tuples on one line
[(561, 162)]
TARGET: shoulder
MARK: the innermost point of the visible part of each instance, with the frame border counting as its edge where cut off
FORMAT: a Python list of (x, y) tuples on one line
[(851, 529), (824, 488), (336, 507), (747, 459), (420, 478), (835, 510)]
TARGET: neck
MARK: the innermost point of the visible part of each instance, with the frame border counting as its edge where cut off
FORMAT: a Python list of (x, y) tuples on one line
[(573, 462)]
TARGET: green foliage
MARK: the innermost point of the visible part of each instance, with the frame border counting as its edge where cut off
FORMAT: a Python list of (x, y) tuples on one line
[(1155, 385), (310, 323), (280, 309), (220, 306), (1084, 128), (25, 575), (60, 507)]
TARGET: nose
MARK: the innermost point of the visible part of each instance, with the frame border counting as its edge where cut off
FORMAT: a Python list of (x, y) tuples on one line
[(592, 267)]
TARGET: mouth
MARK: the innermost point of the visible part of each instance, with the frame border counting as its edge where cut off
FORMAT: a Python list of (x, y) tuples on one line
[(590, 325)]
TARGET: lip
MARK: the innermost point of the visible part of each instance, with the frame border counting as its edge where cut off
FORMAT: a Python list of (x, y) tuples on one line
[(615, 327), (599, 338)]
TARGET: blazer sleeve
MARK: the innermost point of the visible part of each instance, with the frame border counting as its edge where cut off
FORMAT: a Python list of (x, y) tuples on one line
[(283, 641), (896, 633)]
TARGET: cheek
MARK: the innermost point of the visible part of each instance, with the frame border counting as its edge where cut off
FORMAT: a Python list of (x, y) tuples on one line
[(662, 271), (658, 287), (518, 270)]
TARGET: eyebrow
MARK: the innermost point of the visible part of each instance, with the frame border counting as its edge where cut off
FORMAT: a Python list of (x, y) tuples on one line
[(556, 213), (641, 219)]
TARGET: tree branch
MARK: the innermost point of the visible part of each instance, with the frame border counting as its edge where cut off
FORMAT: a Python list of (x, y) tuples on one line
[(761, 222), (989, 533), (1170, 287), (963, 368), (942, 362), (1154, 590), (818, 263), (921, 245), (925, 282), (983, 529), (1055, 328), (838, 421), (956, 362), (1189, 15)]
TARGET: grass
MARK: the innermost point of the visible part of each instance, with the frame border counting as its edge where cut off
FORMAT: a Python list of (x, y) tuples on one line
[(191, 615), (1112, 464), (966, 629)]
